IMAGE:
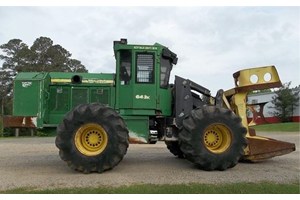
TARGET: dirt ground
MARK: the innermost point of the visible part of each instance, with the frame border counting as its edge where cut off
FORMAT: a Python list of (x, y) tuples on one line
[(34, 162)]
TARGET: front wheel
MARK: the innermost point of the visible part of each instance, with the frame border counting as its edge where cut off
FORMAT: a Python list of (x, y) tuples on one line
[(212, 138), (92, 138)]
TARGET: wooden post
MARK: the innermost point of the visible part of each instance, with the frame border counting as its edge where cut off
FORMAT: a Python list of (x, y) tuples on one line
[(32, 132), (17, 132)]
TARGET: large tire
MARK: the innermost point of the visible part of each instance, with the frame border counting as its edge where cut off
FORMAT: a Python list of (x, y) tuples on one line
[(174, 148), (92, 138), (213, 138)]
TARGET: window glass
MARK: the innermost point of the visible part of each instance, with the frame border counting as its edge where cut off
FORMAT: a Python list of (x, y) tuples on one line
[(165, 69), (145, 68), (125, 67)]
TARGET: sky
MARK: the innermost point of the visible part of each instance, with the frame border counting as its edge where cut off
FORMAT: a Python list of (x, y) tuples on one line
[(211, 42)]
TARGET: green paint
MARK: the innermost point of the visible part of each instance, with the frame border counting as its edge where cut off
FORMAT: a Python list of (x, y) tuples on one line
[(136, 96)]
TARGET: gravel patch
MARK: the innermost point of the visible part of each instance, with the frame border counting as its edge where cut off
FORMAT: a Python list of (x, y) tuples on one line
[(34, 162)]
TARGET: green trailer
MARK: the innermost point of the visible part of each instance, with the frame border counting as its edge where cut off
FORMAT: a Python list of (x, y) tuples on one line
[(98, 115)]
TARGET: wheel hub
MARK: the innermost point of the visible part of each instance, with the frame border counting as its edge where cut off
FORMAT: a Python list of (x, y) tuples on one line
[(212, 138), (91, 139), (217, 138)]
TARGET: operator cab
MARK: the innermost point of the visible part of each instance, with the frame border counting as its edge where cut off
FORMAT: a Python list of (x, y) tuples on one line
[(142, 78)]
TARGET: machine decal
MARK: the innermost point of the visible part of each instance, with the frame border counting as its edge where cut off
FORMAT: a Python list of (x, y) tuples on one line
[(146, 97), (26, 84)]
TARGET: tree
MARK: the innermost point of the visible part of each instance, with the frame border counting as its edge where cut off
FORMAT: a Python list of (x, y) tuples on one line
[(76, 66), (15, 52), (42, 56), (6, 83), (40, 50), (284, 101)]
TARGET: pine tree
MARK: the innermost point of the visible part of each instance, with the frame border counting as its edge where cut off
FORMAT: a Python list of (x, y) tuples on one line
[(284, 101), (42, 56)]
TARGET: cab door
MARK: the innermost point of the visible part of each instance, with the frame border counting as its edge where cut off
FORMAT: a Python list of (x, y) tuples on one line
[(136, 81), (124, 79), (144, 88)]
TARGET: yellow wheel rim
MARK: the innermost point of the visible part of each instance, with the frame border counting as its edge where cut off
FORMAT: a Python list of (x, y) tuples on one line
[(91, 139), (217, 138)]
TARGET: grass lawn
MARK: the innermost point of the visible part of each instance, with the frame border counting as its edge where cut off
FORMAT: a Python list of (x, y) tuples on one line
[(236, 188), (280, 127)]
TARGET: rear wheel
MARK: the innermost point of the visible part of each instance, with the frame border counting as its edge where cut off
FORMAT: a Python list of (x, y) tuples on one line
[(92, 138), (212, 138)]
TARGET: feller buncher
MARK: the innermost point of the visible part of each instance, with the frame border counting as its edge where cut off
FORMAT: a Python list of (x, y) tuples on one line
[(137, 104)]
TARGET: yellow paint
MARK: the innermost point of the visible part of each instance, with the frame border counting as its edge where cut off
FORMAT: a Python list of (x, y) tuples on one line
[(217, 138), (60, 80), (91, 139), (254, 76), (83, 81), (245, 81)]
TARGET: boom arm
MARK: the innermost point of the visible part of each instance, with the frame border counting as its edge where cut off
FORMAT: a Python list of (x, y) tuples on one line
[(187, 97)]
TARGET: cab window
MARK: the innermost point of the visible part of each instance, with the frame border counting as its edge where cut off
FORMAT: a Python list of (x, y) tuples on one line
[(144, 68), (125, 67), (165, 70)]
